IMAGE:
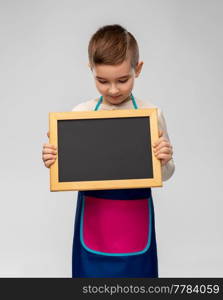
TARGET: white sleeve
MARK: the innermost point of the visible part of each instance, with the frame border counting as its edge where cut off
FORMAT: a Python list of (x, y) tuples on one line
[(79, 107), (169, 168), (84, 106)]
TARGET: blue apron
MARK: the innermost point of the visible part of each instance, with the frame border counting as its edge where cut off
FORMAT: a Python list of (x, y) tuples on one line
[(88, 260)]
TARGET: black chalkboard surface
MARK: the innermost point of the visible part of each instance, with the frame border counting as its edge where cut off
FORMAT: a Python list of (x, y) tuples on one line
[(104, 150)]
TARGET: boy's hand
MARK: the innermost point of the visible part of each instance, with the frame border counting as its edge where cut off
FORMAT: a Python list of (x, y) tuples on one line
[(162, 149), (49, 153)]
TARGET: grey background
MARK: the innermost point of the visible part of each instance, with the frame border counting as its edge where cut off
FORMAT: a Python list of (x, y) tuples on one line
[(43, 68)]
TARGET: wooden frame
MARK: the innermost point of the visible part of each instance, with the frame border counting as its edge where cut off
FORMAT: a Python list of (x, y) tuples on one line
[(156, 181)]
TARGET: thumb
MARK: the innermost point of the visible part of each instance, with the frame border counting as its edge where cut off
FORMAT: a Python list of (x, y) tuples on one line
[(160, 133), (48, 134)]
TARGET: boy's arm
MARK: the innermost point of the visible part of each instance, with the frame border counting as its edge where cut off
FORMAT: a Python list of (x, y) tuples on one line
[(79, 107), (169, 167), (83, 106)]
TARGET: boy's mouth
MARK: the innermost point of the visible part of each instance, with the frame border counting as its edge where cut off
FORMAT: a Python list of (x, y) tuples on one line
[(115, 97)]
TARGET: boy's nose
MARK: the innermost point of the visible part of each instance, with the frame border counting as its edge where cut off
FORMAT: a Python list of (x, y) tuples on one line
[(113, 91)]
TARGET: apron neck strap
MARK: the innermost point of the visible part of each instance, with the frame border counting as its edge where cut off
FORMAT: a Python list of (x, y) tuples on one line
[(101, 99)]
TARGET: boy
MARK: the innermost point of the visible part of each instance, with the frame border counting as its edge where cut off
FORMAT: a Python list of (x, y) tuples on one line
[(114, 233)]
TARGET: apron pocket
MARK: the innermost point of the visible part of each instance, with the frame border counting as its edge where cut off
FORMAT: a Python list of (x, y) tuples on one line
[(115, 227)]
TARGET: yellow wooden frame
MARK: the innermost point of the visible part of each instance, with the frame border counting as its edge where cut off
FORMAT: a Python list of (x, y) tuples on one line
[(156, 181)]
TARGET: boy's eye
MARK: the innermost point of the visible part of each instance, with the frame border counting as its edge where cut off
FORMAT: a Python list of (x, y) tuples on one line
[(121, 81)]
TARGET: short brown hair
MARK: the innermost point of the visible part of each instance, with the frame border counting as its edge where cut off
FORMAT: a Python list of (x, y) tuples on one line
[(111, 45)]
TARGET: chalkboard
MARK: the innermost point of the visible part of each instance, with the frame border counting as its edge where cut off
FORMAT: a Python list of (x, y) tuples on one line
[(104, 150)]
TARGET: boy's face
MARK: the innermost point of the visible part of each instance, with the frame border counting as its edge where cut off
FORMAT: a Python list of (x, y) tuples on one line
[(115, 82)]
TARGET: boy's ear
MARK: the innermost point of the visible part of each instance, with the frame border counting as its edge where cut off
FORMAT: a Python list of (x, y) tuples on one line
[(89, 66), (138, 68)]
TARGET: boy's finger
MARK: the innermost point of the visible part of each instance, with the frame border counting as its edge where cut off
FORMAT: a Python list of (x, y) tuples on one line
[(160, 140), (160, 133), (155, 144), (49, 163), (161, 145), (163, 151), (163, 156), (50, 146), (48, 157), (49, 150)]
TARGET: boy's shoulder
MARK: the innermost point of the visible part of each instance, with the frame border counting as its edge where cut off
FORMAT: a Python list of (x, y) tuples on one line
[(87, 105), (149, 104), (145, 104)]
